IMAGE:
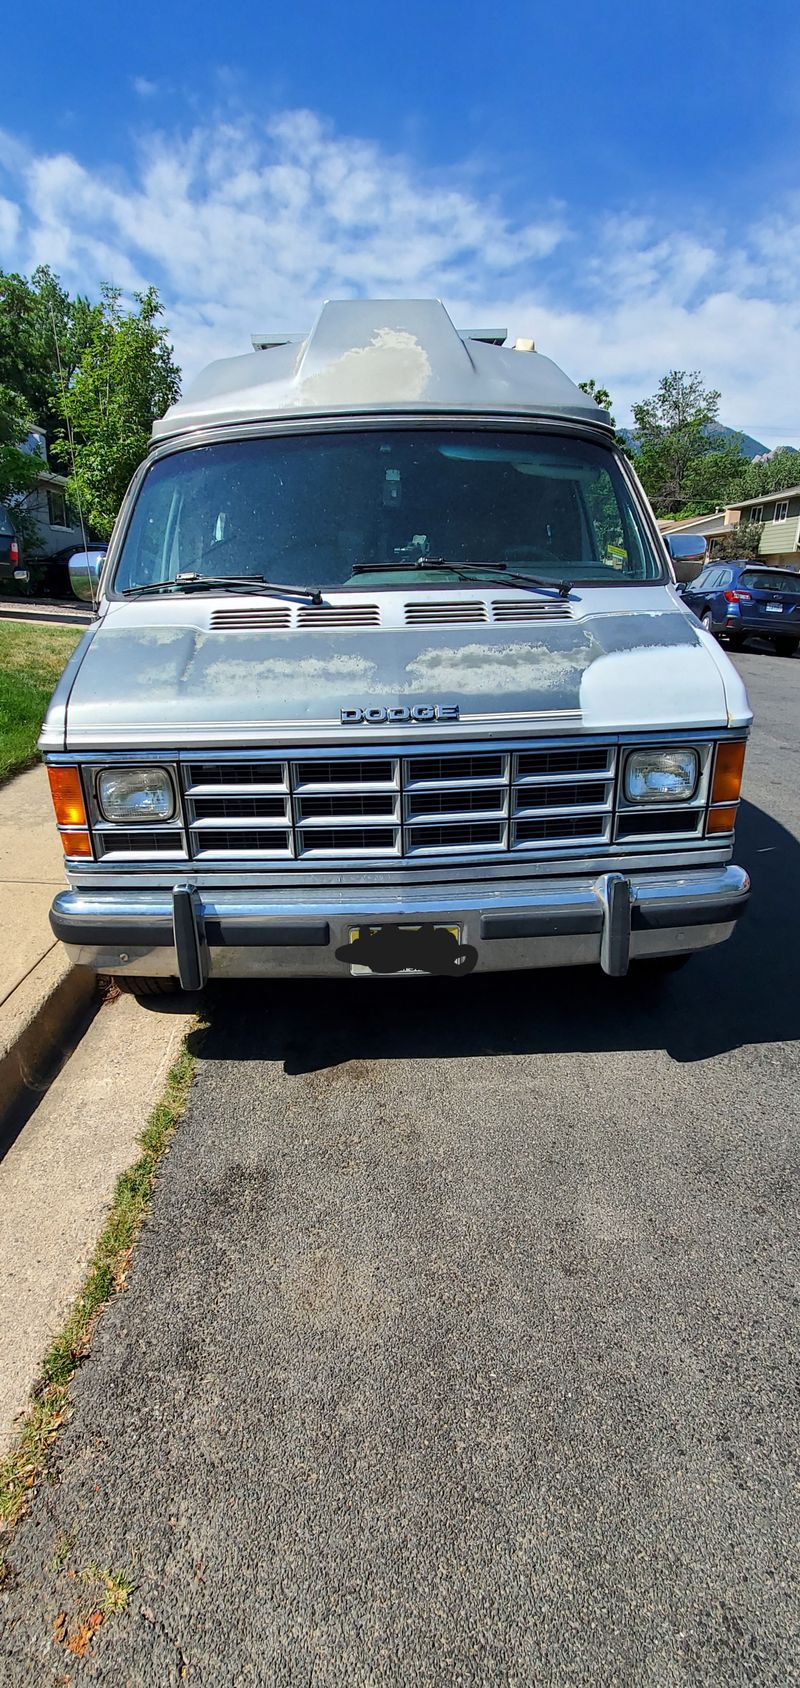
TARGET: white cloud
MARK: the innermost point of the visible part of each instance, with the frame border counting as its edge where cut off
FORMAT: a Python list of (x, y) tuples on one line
[(248, 225), (10, 222), (144, 87)]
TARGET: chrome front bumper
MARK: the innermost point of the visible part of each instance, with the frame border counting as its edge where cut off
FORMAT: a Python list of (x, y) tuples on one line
[(197, 932)]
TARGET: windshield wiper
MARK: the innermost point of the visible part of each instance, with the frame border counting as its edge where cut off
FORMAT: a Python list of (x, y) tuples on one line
[(468, 571), (225, 583)]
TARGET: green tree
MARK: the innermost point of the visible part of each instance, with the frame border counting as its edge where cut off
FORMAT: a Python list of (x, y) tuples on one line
[(781, 469), (125, 378), (740, 543), (19, 470), (43, 333), (716, 478), (602, 397), (671, 435)]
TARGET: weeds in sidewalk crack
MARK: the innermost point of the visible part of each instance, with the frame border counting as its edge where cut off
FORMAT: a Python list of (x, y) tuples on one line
[(31, 1458)]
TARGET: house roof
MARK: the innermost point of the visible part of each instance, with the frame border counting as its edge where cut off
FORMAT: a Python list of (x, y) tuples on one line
[(765, 498), (712, 523), (375, 356)]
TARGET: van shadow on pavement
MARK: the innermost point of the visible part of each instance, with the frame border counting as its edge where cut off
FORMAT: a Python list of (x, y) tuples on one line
[(742, 992)]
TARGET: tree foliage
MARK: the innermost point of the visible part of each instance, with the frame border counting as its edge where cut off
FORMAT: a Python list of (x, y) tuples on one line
[(772, 474), (43, 333), (19, 470), (602, 397), (125, 377), (740, 543), (672, 436)]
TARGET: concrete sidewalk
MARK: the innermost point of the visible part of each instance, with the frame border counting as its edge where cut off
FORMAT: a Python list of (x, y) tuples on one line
[(57, 1179), (41, 995)]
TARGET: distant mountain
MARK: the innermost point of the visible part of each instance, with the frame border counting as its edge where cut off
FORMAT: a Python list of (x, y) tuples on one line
[(751, 448)]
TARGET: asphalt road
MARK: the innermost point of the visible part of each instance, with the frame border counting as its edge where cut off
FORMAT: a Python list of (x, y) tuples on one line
[(462, 1346)]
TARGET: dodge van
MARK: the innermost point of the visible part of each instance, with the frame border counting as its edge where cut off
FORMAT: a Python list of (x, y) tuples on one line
[(389, 675)]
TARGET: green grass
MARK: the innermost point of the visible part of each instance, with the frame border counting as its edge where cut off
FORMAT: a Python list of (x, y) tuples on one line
[(31, 659), (30, 1459)]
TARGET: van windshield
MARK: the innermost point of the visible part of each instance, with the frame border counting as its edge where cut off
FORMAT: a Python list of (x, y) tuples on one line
[(312, 508)]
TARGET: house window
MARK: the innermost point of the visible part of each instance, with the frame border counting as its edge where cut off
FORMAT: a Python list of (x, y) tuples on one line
[(57, 509), (781, 511), (757, 514)]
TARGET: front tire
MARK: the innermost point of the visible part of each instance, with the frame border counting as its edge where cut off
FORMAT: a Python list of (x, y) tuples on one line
[(655, 966), (134, 984)]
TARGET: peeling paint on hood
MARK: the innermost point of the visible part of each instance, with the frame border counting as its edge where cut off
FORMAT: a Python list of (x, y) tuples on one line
[(170, 685)]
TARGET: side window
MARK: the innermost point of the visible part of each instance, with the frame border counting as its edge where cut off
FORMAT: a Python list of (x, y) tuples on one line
[(723, 578)]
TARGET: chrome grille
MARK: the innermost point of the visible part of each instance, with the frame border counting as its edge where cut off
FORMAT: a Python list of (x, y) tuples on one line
[(426, 802), (139, 841)]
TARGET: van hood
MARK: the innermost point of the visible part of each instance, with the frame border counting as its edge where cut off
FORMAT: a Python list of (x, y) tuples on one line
[(158, 674)]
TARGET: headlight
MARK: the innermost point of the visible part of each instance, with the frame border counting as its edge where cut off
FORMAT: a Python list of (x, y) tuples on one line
[(128, 795), (661, 776)]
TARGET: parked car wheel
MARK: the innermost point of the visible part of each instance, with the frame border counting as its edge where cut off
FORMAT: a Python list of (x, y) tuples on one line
[(132, 984), (707, 621), (786, 647)]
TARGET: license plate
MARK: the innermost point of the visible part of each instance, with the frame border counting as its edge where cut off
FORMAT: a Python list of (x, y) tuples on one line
[(774, 609), (407, 949)]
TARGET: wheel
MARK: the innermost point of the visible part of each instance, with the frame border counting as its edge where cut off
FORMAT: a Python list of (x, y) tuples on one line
[(134, 984), (707, 621), (786, 647), (659, 964)]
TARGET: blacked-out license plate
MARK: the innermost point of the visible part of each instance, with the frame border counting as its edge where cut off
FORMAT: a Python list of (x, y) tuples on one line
[(406, 949)]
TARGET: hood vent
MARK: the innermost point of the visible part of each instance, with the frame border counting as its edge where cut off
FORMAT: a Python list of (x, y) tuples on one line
[(428, 612), (252, 616), (463, 612), (339, 615), (531, 609), (416, 612)]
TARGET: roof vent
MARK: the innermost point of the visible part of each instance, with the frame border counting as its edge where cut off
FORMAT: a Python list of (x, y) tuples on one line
[(524, 346)]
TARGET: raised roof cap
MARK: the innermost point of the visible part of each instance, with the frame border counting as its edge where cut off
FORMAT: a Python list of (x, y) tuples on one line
[(378, 356)]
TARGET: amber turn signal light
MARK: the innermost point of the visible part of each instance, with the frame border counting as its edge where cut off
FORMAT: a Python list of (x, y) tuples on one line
[(76, 843), (722, 820), (65, 787), (728, 769)]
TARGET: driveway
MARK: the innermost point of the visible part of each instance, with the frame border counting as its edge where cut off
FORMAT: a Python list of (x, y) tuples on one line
[(462, 1346)]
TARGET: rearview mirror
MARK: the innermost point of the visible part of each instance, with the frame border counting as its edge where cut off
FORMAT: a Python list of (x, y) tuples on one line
[(85, 568), (688, 553)]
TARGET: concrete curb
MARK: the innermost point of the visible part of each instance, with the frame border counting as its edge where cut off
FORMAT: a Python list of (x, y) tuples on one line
[(40, 1022)]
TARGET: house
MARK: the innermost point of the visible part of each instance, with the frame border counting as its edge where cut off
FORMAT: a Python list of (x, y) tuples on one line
[(779, 512), (56, 524)]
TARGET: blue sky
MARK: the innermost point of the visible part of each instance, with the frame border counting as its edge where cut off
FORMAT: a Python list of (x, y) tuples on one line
[(621, 184)]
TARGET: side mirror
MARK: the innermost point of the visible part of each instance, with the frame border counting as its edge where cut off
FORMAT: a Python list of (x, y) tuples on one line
[(85, 568), (688, 553)]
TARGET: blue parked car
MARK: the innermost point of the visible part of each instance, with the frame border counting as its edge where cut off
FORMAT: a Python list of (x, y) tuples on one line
[(740, 600)]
